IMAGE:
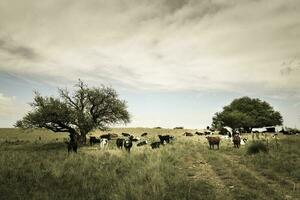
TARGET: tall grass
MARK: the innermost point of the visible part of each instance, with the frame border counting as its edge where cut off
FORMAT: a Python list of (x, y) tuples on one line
[(31, 168), (283, 159), (46, 171)]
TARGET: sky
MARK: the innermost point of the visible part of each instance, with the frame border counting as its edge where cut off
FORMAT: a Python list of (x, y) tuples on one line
[(176, 62)]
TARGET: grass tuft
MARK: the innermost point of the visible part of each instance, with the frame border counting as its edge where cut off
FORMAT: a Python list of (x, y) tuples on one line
[(257, 147)]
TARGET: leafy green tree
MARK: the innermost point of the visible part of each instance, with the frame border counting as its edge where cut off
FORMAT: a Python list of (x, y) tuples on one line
[(247, 113), (77, 113)]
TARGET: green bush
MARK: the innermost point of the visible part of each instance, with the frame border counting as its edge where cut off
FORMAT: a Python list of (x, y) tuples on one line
[(257, 147)]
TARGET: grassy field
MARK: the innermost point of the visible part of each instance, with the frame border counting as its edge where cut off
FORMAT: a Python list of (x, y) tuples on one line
[(34, 164)]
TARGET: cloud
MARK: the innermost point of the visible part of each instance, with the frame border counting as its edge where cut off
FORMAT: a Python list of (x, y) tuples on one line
[(17, 51), (169, 45), (289, 67)]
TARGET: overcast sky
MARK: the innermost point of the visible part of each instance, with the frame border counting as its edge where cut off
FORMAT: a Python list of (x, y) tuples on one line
[(176, 62)]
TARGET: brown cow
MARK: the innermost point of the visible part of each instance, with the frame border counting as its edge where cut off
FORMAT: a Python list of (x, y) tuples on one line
[(236, 141), (188, 134), (114, 135), (213, 141)]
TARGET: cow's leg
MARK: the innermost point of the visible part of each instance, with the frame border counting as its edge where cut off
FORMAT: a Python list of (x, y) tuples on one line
[(69, 148), (75, 148)]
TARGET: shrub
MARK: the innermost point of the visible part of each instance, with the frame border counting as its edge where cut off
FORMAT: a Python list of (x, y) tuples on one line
[(257, 147)]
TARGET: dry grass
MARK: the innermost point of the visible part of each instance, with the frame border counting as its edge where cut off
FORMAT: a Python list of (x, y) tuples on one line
[(185, 169)]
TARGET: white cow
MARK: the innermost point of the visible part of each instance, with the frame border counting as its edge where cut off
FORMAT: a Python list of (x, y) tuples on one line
[(103, 143)]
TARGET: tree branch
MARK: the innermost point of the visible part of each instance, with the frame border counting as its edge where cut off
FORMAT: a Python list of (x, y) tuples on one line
[(65, 95)]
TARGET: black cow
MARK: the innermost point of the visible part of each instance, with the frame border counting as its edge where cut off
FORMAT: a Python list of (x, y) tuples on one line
[(155, 145), (94, 140), (120, 143), (127, 144), (126, 134), (144, 134), (133, 138), (72, 145), (198, 133), (106, 136), (164, 138), (142, 143), (207, 133)]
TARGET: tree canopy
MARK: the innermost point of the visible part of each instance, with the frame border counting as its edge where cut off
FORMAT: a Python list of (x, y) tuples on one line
[(247, 113), (77, 113)]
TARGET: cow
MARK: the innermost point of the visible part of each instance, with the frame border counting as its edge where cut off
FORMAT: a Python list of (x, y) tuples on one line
[(155, 145), (94, 140), (120, 143), (198, 133), (179, 127), (71, 145), (106, 136), (213, 141), (164, 139), (128, 145), (144, 134), (142, 143), (207, 133), (188, 134), (103, 143), (114, 135), (126, 134), (236, 141), (244, 140), (133, 138)]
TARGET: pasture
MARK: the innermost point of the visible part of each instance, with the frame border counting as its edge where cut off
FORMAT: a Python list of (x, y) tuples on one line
[(34, 164)]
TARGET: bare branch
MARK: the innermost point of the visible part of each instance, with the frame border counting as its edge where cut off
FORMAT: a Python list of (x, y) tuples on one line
[(65, 95)]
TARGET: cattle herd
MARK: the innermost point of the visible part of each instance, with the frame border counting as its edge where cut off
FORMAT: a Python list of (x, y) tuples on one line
[(127, 140)]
